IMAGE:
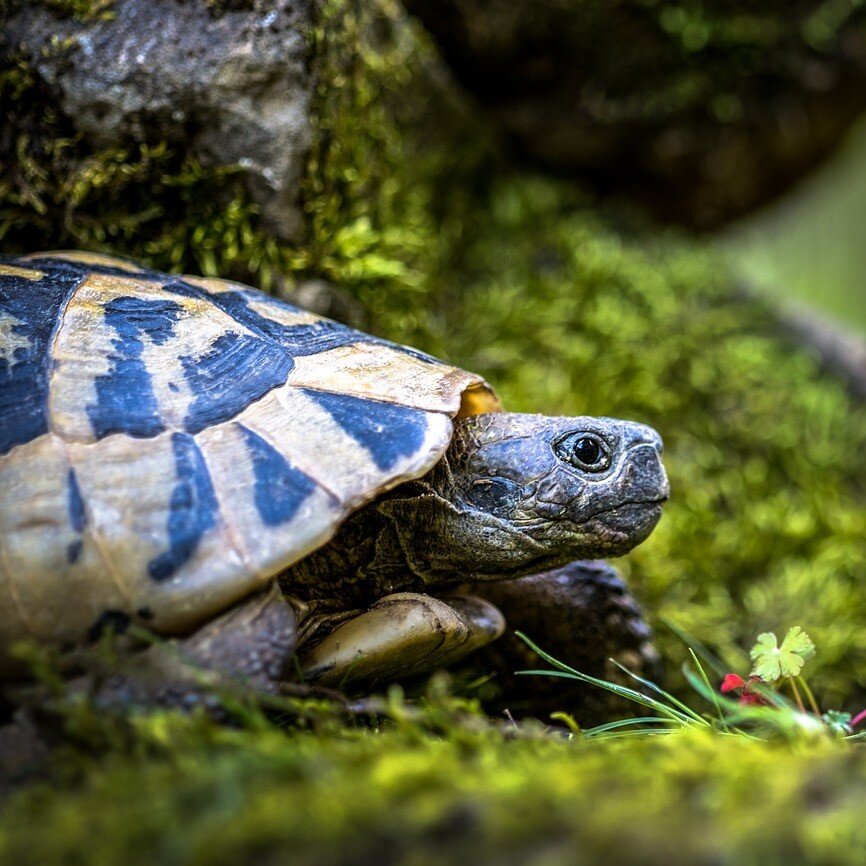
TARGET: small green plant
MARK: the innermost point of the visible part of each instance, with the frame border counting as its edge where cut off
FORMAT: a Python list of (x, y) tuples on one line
[(775, 664), (753, 707)]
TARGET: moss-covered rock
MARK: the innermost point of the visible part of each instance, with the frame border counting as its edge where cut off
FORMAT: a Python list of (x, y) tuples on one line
[(231, 89), (151, 201)]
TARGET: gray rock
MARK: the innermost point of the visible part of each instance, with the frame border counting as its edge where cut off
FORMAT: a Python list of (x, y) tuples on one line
[(234, 86)]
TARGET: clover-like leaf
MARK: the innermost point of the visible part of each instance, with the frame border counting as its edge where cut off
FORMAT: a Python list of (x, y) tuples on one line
[(772, 661), (765, 655)]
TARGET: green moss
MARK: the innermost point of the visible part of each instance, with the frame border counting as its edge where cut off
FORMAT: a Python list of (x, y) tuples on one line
[(218, 7), (367, 193), (145, 199), (683, 56), (391, 153), (565, 310), (195, 795), (679, 106), (81, 10)]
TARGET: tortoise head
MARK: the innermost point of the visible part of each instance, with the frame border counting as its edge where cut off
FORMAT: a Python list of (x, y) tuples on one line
[(517, 494)]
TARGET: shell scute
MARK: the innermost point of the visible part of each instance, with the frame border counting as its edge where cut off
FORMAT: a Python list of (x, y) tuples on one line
[(193, 509), (279, 487), (272, 496), (29, 311)]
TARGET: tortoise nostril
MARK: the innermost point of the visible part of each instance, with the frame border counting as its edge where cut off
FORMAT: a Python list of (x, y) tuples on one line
[(653, 438)]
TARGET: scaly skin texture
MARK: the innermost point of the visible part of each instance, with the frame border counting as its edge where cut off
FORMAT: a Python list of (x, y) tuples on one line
[(514, 495), (510, 498), (582, 614)]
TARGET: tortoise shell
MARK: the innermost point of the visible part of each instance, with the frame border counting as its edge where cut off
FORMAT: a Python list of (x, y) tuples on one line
[(169, 443)]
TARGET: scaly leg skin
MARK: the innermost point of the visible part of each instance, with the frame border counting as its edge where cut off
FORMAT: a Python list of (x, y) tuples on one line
[(583, 615), (400, 636), (250, 646)]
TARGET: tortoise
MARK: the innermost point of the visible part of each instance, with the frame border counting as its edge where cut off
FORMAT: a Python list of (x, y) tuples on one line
[(274, 490)]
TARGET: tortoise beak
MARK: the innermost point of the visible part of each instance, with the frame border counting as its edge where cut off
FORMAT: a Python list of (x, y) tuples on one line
[(645, 477)]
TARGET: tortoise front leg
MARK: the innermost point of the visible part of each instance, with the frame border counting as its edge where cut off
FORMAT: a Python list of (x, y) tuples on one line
[(583, 615), (401, 635)]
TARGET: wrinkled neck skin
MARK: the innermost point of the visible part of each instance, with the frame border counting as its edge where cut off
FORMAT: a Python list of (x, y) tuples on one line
[(510, 499)]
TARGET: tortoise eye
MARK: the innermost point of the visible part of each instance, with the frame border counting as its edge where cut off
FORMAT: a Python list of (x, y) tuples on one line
[(584, 451)]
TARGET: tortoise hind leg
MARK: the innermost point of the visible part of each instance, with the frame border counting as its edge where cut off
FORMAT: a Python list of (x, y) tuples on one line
[(250, 646), (253, 642), (245, 651), (401, 635)]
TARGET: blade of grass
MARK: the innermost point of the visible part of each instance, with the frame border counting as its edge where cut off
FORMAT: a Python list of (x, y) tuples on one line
[(683, 707), (860, 736), (727, 707), (645, 732), (621, 691), (625, 723), (709, 689)]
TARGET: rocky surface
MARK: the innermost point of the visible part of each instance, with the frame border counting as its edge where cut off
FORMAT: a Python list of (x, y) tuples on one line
[(232, 85), (701, 112)]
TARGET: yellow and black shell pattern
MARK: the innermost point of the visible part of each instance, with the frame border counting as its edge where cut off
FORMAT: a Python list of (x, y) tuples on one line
[(169, 443)]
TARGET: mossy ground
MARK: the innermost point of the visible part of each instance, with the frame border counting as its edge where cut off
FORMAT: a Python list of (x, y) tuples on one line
[(566, 309), (193, 794), (766, 523)]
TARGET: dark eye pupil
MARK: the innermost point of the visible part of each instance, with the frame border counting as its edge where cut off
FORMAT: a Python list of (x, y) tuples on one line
[(587, 450)]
